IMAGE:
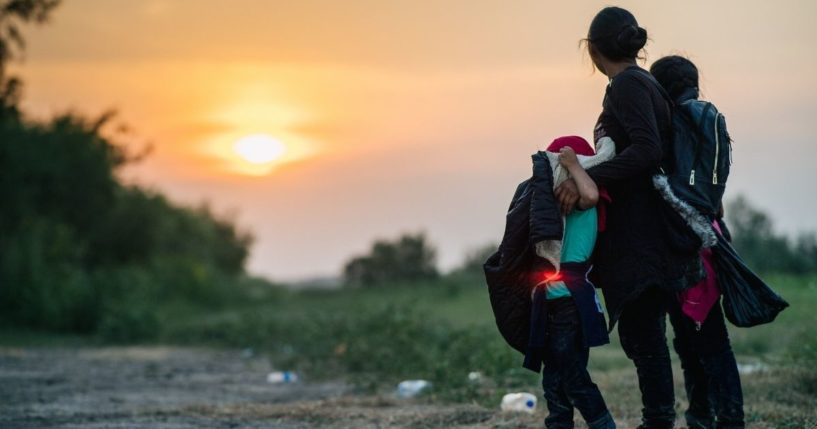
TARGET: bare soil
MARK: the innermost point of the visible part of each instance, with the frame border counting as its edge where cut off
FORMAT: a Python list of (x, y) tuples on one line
[(169, 387), (181, 388)]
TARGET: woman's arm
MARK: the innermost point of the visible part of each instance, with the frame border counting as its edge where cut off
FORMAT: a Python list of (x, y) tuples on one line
[(631, 101), (587, 189)]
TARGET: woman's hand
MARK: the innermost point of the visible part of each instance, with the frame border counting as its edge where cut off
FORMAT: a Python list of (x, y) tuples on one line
[(567, 194), (567, 157)]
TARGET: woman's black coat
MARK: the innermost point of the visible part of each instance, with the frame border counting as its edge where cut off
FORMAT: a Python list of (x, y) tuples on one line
[(637, 249)]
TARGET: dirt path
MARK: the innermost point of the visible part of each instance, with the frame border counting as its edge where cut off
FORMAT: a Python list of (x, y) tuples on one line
[(185, 388), (162, 387)]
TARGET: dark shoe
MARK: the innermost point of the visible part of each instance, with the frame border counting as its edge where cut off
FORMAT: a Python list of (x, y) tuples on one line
[(643, 426), (604, 422), (694, 422)]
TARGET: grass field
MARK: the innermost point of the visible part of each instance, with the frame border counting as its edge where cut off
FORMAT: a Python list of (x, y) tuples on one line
[(442, 331), (373, 338)]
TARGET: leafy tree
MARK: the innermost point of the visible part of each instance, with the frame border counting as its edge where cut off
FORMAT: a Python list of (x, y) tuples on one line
[(60, 170), (410, 258), (143, 226), (806, 248), (79, 250), (761, 247), (475, 258), (13, 14)]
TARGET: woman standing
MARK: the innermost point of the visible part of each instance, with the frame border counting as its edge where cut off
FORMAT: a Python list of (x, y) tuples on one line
[(636, 262)]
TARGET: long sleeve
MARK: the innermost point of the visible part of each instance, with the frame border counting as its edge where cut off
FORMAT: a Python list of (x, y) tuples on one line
[(631, 101)]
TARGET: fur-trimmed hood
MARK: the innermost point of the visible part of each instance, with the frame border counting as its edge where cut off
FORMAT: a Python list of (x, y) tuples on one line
[(699, 224)]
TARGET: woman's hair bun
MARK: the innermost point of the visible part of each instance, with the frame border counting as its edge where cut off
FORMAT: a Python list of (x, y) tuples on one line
[(631, 39), (614, 32)]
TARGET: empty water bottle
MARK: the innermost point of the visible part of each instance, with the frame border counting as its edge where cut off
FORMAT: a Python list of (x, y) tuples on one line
[(410, 388), (521, 401), (281, 377)]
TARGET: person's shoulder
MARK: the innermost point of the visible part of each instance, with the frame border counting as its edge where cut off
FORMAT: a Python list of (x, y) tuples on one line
[(633, 79), (715, 109), (697, 108), (632, 75)]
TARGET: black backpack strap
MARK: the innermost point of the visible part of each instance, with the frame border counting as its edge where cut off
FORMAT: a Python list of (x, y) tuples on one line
[(700, 137)]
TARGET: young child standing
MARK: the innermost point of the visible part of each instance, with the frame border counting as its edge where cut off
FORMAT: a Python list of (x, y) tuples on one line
[(568, 317), (711, 375)]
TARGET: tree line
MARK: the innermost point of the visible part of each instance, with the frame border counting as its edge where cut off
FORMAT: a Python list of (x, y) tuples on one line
[(412, 257), (80, 251)]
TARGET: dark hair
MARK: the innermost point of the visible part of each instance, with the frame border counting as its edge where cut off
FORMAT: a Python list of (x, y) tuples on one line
[(615, 34), (677, 75)]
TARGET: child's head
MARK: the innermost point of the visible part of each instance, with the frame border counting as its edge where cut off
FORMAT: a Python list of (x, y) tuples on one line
[(677, 75), (578, 144)]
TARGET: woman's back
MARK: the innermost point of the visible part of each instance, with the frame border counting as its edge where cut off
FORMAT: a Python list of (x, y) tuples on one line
[(635, 251), (634, 112)]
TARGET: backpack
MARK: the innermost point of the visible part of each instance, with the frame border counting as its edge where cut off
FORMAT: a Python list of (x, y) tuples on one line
[(698, 160)]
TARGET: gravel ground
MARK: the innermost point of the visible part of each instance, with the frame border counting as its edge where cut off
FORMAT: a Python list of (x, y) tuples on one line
[(180, 388), (140, 387)]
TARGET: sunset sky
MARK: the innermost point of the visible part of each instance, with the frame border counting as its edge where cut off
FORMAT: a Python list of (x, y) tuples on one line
[(400, 116)]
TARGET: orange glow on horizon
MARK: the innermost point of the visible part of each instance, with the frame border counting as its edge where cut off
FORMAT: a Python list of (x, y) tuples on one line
[(237, 149), (397, 115)]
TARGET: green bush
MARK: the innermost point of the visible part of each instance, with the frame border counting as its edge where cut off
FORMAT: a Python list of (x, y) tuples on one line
[(373, 347), (763, 249), (803, 347), (42, 284), (476, 257), (129, 322), (409, 258), (81, 252)]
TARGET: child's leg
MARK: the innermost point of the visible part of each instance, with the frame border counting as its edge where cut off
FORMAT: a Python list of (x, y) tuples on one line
[(560, 410), (562, 323), (567, 382)]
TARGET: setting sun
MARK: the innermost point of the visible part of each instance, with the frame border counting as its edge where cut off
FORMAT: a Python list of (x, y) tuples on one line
[(259, 148)]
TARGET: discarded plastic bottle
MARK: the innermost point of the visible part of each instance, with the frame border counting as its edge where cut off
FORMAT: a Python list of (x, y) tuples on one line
[(411, 388), (521, 401), (282, 377)]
